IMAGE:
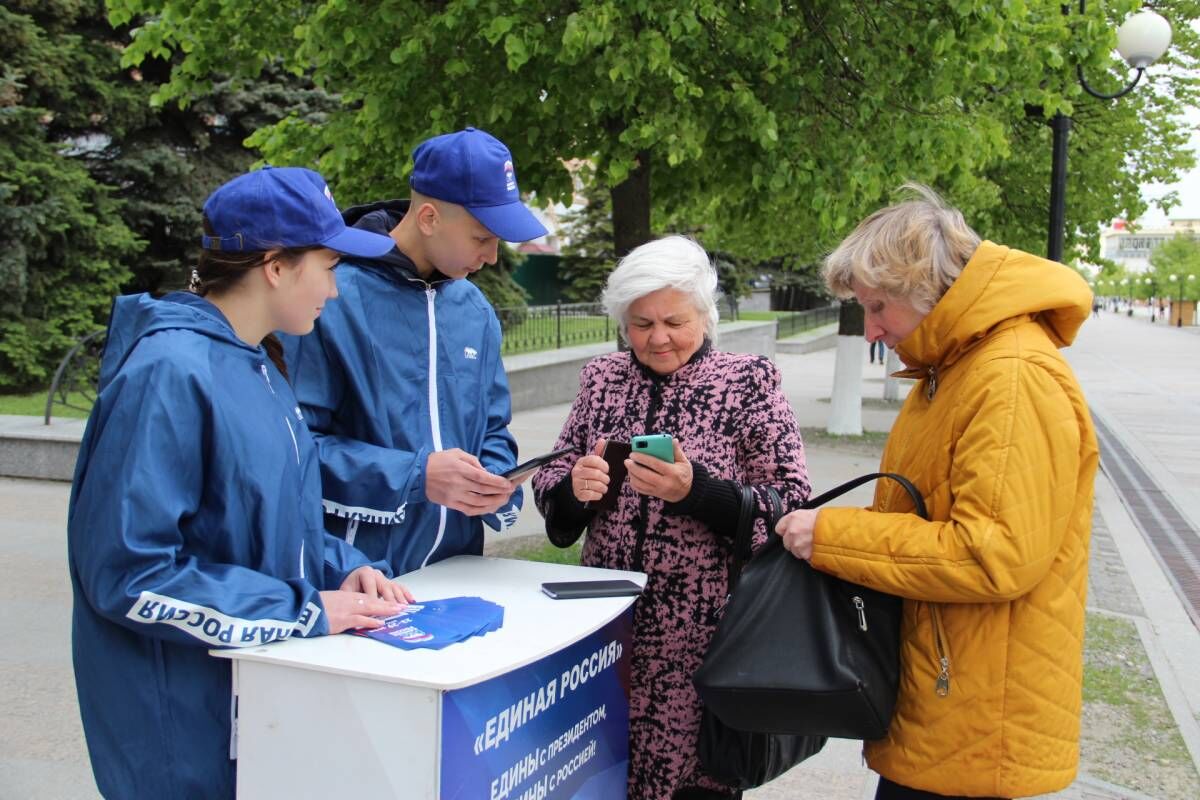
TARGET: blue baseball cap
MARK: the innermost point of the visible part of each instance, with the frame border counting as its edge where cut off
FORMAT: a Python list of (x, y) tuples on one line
[(474, 169), (283, 207)]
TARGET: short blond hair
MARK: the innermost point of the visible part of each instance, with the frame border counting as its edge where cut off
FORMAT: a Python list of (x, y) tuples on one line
[(913, 250)]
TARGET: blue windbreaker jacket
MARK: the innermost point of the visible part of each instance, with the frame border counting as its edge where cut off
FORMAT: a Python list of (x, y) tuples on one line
[(398, 368), (195, 522)]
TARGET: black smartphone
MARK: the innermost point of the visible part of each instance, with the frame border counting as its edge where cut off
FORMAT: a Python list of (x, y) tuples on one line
[(534, 464), (574, 590), (615, 454)]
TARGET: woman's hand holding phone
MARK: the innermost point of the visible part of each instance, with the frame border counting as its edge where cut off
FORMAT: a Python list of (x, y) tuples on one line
[(662, 479)]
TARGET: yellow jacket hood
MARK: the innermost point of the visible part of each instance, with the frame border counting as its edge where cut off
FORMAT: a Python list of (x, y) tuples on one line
[(999, 286)]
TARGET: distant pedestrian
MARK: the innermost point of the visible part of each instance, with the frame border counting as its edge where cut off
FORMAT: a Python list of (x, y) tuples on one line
[(878, 346), (1096, 309)]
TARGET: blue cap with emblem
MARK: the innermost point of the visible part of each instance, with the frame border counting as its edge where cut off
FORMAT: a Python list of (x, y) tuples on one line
[(474, 169), (277, 207)]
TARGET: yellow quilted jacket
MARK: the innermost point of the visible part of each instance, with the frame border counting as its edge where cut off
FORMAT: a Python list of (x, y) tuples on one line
[(997, 436)]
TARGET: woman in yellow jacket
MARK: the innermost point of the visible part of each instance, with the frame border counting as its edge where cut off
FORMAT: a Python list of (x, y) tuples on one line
[(997, 436)]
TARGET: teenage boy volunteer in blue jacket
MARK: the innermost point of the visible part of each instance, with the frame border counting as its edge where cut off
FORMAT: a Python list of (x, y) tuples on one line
[(402, 383)]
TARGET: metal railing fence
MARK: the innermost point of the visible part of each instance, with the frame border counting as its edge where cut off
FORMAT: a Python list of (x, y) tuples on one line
[(797, 321), (531, 328)]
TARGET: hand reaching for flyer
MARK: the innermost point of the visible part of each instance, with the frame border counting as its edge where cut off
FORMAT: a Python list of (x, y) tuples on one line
[(365, 595)]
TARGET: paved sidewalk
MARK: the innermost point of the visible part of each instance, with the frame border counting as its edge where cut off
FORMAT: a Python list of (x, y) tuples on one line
[(1143, 383)]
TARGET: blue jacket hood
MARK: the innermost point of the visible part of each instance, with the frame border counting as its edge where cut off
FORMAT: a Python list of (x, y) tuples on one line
[(381, 217), (137, 316)]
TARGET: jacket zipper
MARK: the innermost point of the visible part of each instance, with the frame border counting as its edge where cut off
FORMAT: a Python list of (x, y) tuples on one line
[(295, 446), (640, 541), (434, 418), (942, 686)]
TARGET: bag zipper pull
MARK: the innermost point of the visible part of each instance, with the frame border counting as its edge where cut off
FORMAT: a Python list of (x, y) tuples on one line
[(862, 612)]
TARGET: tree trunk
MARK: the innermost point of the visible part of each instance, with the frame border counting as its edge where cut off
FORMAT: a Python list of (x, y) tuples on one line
[(851, 319), (845, 412), (891, 386), (631, 208)]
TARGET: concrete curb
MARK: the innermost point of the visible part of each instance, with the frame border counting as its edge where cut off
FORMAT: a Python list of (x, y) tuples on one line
[(822, 338), (31, 449), (1171, 641), (1186, 501)]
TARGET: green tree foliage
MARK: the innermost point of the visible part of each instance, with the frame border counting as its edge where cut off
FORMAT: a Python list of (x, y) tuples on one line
[(497, 284), (62, 239), (775, 126), (104, 188), (1175, 267), (588, 257), (164, 161)]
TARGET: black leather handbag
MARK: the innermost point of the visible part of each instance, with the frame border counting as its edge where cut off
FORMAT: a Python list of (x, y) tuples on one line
[(749, 758), (798, 653)]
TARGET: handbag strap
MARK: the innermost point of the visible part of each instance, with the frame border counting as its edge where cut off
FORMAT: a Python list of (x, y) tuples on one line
[(743, 536), (742, 547), (913, 493)]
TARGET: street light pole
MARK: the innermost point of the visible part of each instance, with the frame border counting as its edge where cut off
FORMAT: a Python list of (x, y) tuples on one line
[(1060, 123), (1141, 40)]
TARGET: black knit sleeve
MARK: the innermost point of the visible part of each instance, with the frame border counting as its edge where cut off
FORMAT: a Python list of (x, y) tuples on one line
[(713, 501), (566, 517)]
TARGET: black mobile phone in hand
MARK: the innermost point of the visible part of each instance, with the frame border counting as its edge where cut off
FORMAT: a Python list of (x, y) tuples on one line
[(615, 454), (533, 464)]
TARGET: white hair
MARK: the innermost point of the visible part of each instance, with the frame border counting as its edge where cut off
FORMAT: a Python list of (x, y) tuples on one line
[(672, 262)]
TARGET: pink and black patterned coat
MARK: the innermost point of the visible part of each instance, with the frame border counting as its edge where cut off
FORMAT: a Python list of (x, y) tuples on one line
[(734, 424)]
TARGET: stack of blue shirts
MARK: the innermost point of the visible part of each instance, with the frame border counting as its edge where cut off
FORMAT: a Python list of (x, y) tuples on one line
[(434, 624)]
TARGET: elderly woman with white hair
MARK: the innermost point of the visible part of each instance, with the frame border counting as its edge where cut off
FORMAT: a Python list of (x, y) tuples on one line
[(731, 426), (997, 436)]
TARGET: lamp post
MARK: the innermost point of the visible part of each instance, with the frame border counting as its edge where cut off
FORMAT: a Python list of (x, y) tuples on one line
[(1125, 282), (1179, 279), (1150, 288), (1191, 285), (1141, 40), (1178, 308)]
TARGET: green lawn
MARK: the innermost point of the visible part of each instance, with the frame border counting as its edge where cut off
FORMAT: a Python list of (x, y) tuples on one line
[(550, 554), (1129, 736), (34, 405), (759, 316), (766, 316)]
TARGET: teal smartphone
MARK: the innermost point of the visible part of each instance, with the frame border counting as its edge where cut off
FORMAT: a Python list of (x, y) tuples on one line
[(659, 445)]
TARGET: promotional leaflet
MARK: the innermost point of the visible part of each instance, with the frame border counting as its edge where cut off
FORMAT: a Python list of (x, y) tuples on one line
[(434, 624)]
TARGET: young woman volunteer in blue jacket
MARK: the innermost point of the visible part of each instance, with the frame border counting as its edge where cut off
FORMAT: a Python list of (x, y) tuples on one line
[(195, 518)]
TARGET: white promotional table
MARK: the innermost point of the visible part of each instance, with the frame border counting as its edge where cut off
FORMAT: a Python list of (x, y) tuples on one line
[(538, 709)]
